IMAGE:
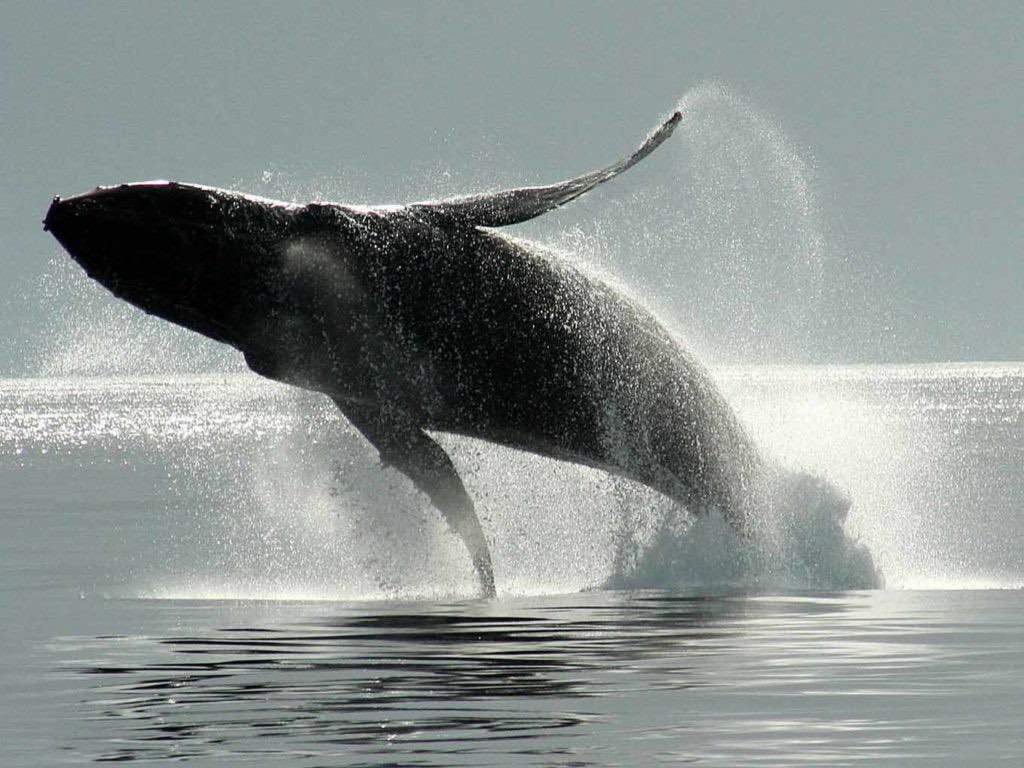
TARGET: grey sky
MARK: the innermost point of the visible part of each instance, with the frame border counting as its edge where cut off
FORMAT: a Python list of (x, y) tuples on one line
[(908, 118)]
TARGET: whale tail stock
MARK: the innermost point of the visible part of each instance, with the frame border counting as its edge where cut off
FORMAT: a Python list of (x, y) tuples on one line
[(512, 206)]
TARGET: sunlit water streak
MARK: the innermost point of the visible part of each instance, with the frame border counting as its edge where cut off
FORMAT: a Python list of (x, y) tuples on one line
[(271, 494)]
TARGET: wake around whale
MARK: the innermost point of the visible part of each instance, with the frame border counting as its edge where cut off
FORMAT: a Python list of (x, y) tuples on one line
[(421, 317)]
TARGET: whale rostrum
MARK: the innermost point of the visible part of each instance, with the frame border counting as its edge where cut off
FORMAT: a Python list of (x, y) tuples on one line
[(422, 318)]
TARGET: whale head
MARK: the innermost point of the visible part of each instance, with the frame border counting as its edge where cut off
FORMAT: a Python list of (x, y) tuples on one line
[(182, 252), (276, 280)]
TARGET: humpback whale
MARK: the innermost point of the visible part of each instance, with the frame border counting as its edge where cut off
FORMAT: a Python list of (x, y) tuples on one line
[(423, 318)]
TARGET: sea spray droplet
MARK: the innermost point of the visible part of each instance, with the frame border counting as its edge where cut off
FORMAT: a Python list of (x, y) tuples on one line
[(89, 332)]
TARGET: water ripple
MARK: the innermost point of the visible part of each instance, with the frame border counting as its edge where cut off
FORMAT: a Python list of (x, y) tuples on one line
[(797, 679)]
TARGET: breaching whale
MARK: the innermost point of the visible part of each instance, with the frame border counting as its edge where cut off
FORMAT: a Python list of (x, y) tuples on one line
[(422, 317)]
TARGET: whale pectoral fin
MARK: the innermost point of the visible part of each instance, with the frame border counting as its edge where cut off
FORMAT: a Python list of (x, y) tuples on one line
[(511, 206), (412, 452)]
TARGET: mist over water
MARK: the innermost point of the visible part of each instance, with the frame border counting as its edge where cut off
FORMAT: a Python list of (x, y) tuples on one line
[(733, 250), (728, 239), (91, 333)]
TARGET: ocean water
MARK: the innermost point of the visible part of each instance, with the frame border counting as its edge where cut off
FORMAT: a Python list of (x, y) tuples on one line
[(216, 569)]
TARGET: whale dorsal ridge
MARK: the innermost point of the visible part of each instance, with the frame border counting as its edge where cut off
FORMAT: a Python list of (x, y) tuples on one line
[(511, 206)]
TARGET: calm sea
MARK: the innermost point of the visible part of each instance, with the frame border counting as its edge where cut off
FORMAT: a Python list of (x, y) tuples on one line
[(216, 569)]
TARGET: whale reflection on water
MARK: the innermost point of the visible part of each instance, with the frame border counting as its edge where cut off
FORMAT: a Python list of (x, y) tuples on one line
[(416, 678)]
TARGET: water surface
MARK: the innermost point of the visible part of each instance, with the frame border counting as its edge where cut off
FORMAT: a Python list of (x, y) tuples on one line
[(217, 569)]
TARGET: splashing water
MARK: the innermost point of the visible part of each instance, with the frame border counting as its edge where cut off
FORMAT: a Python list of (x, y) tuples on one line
[(735, 254), (300, 507), (731, 245), (268, 494), (92, 333), (799, 542), (308, 511)]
